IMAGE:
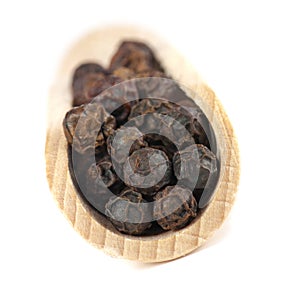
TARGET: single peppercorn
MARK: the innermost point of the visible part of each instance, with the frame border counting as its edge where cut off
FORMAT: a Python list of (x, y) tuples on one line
[(100, 183), (178, 117), (88, 68), (174, 207), (200, 127), (195, 166), (123, 142), (94, 123), (129, 212), (136, 56), (70, 122), (101, 171), (147, 170), (83, 75)]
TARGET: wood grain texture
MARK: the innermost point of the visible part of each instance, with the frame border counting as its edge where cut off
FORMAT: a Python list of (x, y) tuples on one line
[(99, 46)]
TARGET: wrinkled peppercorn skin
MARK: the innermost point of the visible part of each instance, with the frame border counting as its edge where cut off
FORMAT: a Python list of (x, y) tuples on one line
[(124, 141), (127, 214), (81, 79), (143, 177), (174, 207), (136, 56), (101, 182), (196, 161), (95, 124), (70, 122)]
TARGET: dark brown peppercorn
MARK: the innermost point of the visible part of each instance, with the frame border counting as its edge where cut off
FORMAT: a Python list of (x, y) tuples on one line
[(195, 166), (100, 180), (147, 170), (129, 212), (190, 123), (87, 68), (136, 56), (70, 122), (174, 207), (199, 127), (102, 170), (93, 121), (84, 74), (123, 142)]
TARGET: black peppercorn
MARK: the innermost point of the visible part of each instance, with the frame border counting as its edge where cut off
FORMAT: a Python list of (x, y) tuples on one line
[(174, 207), (101, 182), (70, 122), (123, 142), (147, 170), (136, 56), (129, 212), (83, 75), (95, 123), (195, 166)]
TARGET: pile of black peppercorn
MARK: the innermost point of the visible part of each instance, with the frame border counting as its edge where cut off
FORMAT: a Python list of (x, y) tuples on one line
[(108, 169)]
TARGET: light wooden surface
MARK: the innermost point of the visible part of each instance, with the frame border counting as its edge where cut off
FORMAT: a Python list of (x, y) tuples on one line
[(98, 46)]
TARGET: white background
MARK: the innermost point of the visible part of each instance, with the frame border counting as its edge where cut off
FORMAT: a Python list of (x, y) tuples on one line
[(248, 52)]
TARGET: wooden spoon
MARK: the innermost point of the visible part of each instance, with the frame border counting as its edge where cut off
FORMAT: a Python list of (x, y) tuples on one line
[(99, 46)]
